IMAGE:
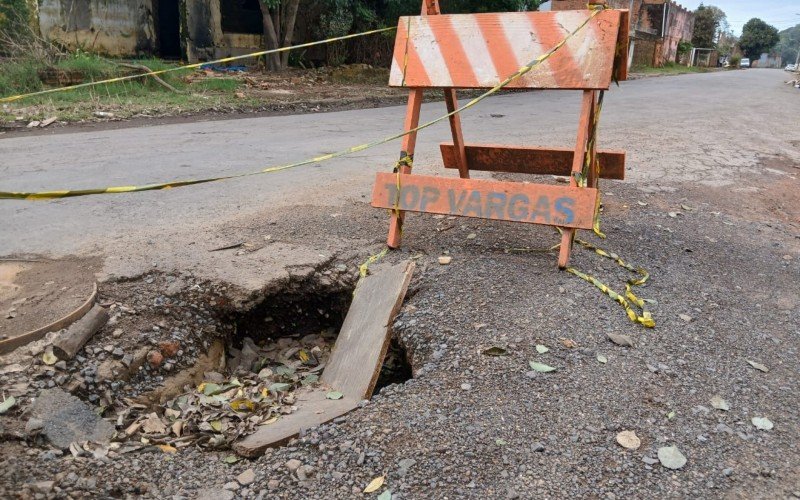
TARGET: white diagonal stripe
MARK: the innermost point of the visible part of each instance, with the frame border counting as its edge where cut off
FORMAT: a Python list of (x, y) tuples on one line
[(429, 52), (469, 32), (526, 46)]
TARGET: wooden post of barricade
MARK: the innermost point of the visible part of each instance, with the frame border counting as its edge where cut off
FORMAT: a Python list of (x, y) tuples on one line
[(478, 51)]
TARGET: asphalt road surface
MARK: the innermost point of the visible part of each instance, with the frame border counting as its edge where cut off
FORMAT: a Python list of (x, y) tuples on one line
[(675, 129)]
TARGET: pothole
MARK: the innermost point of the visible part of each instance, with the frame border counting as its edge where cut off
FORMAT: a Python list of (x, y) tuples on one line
[(178, 365)]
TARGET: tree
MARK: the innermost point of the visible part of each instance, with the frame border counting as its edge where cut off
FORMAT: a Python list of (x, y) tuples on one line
[(278, 18), (758, 37), (789, 44), (707, 20)]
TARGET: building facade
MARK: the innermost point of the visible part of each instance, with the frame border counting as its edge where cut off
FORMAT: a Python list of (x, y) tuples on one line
[(656, 30), (178, 29)]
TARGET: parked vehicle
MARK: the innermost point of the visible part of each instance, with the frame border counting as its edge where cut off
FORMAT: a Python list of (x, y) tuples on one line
[(790, 67), (744, 63)]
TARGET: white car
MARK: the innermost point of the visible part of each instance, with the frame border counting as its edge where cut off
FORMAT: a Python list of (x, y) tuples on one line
[(791, 67), (744, 63)]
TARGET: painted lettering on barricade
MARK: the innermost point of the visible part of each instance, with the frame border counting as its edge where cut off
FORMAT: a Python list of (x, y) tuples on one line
[(531, 203)]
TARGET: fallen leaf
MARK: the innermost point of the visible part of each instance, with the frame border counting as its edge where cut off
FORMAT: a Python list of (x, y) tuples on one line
[(758, 366), (672, 214), (541, 367), (334, 395), (495, 351), (629, 440), (671, 415), (7, 404), (541, 349), (602, 359), (269, 421), (216, 425), (279, 387), (48, 357), (167, 448), (242, 404), (153, 425), (671, 457), (386, 495), (500, 442), (177, 428), (568, 343), (375, 484), (685, 317), (210, 389), (622, 340), (230, 459), (762, 423), (687, 208), (719, 403), (309, 379)]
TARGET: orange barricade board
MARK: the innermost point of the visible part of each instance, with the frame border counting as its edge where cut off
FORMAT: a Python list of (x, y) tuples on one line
[(481, 50), (562, 206), (574, 50)]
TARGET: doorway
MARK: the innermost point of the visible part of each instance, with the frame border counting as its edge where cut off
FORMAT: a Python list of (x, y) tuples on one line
[(168, 28)]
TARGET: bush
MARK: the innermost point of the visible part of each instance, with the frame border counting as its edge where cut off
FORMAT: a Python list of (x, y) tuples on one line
[(19, 77), (734, 61)]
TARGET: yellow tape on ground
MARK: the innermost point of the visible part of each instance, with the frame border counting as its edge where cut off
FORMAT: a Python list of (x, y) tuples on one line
[(192, 66), (645, 318), (21, 195)]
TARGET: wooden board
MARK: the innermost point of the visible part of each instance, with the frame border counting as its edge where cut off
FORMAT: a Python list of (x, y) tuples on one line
[(531, 160), (482, 50), (354, 364), (357, 357), (563, 206), (313, 409)]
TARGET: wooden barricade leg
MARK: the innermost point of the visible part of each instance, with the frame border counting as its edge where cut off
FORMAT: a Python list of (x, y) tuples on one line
[(584, 123), (451, 100), (409, 143)]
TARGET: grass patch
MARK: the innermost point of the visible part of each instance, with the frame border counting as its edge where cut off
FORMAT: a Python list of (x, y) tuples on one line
[(669, 68), (136, 96)]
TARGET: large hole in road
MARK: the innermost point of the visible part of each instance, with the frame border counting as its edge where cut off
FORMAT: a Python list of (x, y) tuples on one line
[(301, 315)]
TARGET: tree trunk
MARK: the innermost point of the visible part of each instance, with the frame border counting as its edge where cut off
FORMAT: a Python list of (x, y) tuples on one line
[(270, 39), (290, 16)]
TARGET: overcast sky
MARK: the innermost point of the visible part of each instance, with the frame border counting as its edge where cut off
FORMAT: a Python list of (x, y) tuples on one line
[(779, 13)]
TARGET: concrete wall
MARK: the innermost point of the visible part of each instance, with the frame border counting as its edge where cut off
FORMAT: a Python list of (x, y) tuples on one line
[(111, 27)]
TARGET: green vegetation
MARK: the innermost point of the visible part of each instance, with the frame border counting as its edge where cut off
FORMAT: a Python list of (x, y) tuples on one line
[(758, 37), (125, 98)]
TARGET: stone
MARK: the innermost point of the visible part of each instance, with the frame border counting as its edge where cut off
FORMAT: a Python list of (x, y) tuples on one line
[(154, 359), (169, 348), (247, 477), (43, 486), (649, 460), (109, 369), (273, 484), (622, 340), (629, 440), (466, 386), (293, 464), (231, 486), (33, 426), (66, 419), (671, 457), (304, 472), (445, 260), (537, 447), (404, 465), (215, 494)]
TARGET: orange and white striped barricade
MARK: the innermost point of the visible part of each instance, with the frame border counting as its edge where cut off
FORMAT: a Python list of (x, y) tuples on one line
[(479, 51)]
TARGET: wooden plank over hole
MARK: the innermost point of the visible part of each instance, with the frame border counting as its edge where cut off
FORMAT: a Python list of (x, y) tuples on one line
[(531, 160), (563, 206), (313, 409), (482, 50), (357, 357)]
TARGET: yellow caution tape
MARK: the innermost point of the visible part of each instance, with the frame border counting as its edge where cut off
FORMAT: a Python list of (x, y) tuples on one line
[(645, 318), (191, 66), (180, 183)]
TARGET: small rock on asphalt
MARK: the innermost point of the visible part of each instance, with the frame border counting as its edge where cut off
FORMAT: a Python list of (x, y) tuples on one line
[(66, 419), (247, 477)]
